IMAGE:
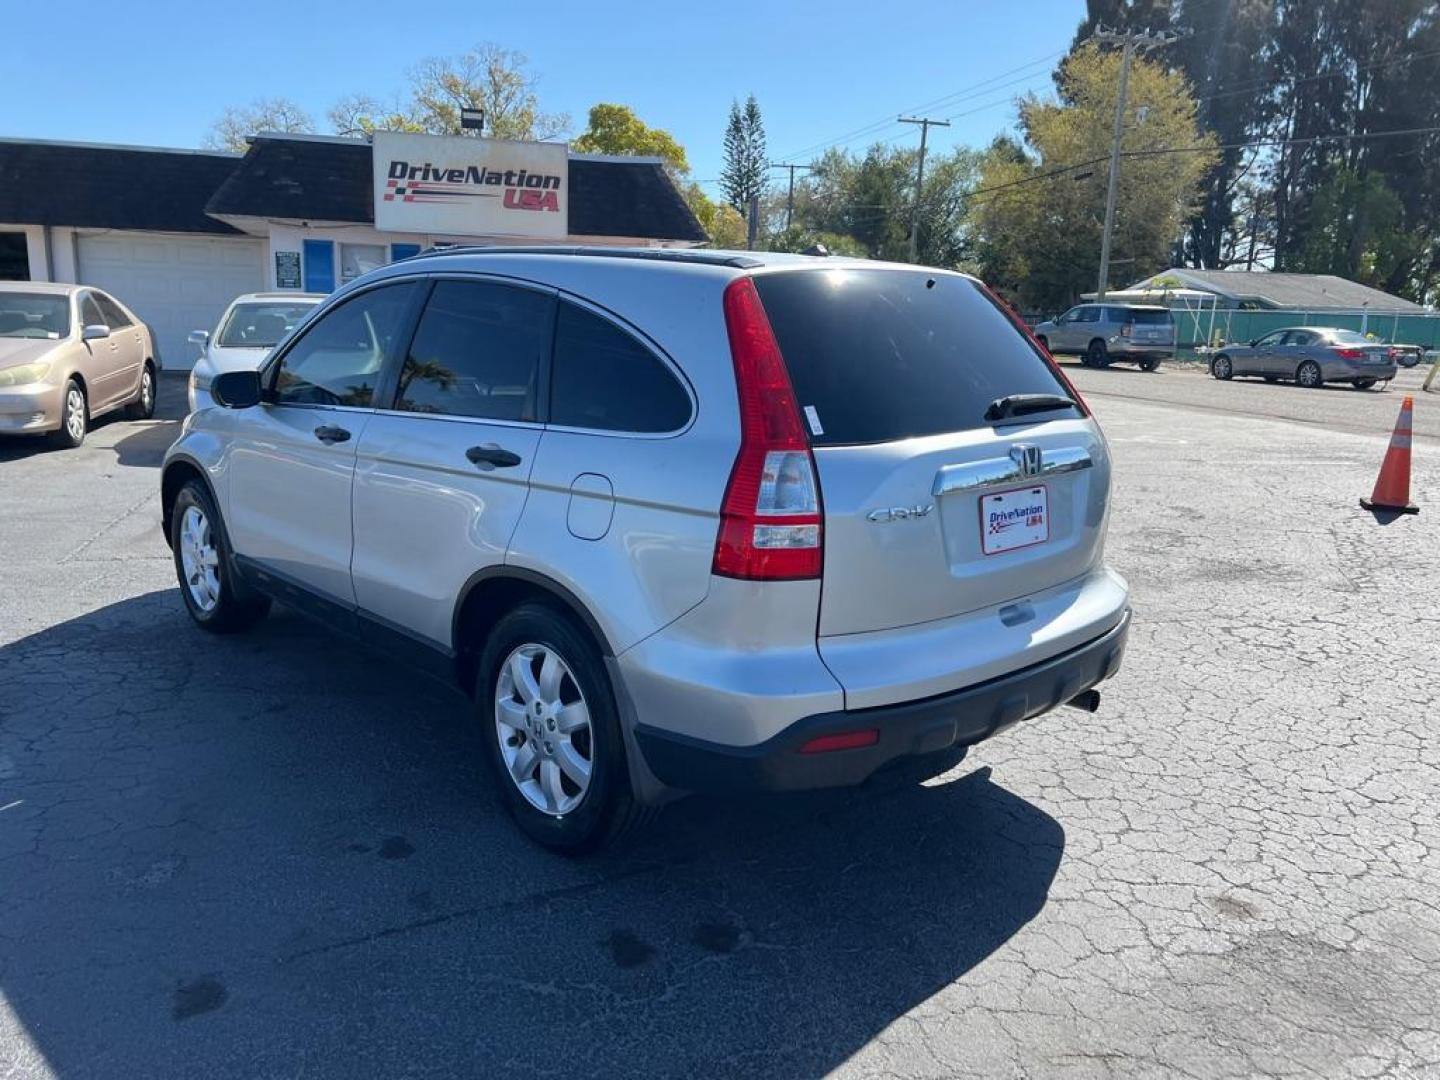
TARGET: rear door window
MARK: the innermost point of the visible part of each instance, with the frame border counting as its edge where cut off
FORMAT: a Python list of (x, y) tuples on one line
[(477, 352), (880, 355), (604, 378), (115, 318)]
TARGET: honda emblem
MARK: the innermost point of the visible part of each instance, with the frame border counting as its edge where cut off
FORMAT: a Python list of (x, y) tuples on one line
[(1027, 456)]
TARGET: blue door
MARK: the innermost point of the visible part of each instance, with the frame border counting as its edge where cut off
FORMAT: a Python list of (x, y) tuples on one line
[(319, 266)]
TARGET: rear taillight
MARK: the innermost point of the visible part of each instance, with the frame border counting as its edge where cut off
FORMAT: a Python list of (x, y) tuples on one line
[(1127, 329), (1392, 354), (770, 525), (1349, 354)]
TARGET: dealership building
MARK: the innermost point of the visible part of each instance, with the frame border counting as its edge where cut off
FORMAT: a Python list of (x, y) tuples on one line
[(177, 234)]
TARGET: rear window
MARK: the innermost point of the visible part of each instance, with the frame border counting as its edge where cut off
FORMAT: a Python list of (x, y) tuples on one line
[(1148, 318), (879, 355), (1349, 337)]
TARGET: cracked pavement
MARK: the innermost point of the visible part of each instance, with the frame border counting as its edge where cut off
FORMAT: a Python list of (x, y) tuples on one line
[(275, 855)]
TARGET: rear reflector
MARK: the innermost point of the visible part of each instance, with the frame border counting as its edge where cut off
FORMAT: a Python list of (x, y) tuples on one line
[(770, 526), (845, 740)]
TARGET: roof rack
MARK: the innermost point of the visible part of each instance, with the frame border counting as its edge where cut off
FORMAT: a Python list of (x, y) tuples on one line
[(684, 255)]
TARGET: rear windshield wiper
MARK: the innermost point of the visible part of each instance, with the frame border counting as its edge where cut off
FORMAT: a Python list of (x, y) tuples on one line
[(1020, 404)]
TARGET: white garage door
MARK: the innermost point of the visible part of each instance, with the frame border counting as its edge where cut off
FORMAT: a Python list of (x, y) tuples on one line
[(175, 283)]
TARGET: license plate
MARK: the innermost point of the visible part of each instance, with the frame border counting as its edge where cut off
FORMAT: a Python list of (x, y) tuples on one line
[(1014, 519)]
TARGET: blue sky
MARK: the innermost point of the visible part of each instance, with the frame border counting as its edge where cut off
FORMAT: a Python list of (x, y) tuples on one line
[(821, 71)]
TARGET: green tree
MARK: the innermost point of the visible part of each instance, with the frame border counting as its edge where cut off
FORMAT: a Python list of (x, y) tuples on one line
[(742, 177), (235, 126), (1037, 212), (615, 129)]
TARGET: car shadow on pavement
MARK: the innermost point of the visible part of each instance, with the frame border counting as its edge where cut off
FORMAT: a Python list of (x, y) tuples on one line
[(276, 854)]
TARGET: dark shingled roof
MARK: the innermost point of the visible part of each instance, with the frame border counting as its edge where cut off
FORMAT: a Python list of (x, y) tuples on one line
[(308, 179), (330, 180), (46, 183)]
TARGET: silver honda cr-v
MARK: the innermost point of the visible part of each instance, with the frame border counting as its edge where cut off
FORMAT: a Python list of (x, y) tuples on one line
[(679, 520)]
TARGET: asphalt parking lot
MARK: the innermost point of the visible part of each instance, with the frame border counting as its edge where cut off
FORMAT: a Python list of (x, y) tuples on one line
[(274, 855)]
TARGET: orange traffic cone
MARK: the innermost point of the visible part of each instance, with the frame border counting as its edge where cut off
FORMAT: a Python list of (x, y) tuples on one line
[(1392, 489)]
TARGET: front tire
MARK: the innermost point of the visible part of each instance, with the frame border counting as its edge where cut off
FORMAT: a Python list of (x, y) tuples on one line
[(1044, 343), (1308, 375), (1222, 369), (214, 599), (1096, 355), (74, 417), (143, 407), (551, 732), (1362, 384), (1149, 365)]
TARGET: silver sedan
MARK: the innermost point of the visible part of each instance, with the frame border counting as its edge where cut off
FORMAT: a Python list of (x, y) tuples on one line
[(1310, 355)]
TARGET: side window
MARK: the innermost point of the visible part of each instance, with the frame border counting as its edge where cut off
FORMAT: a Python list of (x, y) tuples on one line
[(90, 311), (604, 378), (1090, 314), (1271, 339), (114, 317), (1073, 315), (1300, 337), (339, 360), (477, 352)]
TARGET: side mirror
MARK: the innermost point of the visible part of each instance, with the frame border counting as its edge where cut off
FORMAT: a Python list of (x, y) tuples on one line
[(236, 389), (95, 332), (1253, 342), (200, 337)]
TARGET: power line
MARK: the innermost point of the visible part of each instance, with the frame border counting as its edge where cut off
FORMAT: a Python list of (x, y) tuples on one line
[(984, 86)]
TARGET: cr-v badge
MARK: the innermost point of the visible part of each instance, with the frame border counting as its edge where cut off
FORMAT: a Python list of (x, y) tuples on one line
[(899, 513)]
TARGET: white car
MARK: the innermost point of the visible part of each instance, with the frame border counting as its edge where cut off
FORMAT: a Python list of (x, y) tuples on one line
[(252, 325)]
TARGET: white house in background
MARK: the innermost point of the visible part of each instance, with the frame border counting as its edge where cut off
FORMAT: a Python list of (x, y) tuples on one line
[(1260, 290), (178, 234)]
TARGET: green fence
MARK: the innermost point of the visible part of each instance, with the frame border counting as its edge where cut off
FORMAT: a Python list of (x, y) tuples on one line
[(1205, 326)]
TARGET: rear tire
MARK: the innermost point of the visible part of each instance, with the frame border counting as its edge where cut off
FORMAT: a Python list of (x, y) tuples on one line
[(568, 790), (74, 417), (1096, 355), (143, 407), (1309, 376), (1149, 365), (1222, 369), (215, 600)]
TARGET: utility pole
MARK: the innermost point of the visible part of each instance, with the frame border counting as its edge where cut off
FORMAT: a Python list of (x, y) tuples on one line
[(789, 195), (925, 126), (1144, 41)]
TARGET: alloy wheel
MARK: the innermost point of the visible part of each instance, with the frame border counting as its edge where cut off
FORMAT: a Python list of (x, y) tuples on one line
[(543, 727), (199, 559), (75, 414)]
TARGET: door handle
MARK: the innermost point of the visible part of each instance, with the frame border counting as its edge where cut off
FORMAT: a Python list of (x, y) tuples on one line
[(493, 456), (328, 433)]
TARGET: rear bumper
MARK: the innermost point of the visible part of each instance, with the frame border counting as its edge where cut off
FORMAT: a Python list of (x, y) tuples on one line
[(1125, 349), (958, 718), (1343, 371)]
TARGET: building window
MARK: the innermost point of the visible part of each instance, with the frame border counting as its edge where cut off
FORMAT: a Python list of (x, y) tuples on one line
[(357, 259), (14, 257)]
